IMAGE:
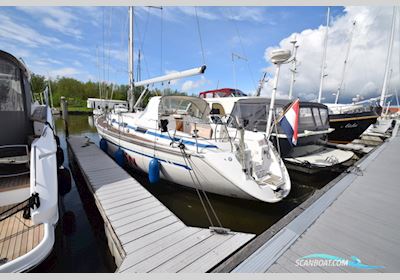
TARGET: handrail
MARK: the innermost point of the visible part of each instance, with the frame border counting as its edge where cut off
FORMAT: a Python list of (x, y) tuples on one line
[(46, 155), (34, 165), (306, 133)]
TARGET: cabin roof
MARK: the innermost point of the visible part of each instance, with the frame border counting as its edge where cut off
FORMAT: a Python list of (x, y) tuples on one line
[(9, 57), (278, 102)]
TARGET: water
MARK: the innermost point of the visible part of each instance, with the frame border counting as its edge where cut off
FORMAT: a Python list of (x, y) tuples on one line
[(81, 245)]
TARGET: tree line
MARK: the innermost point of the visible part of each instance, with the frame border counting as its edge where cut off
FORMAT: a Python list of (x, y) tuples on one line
[(77, 92)]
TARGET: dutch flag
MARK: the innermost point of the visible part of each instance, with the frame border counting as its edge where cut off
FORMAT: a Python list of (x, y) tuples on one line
[(290, 122)]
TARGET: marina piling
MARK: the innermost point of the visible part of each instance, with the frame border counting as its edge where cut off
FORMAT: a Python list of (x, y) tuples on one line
[(64, 111)]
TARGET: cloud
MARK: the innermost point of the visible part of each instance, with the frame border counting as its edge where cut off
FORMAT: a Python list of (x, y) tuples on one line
[(13, 32), (64, 72), (167, 13), (255, 14), (174, 13), (201, 12), (366, 63), (15, 50), (59, 19), (71, 47), (241, 41), (172, 82), (77, 63), (120, 55), (47, 61), (190, 85)]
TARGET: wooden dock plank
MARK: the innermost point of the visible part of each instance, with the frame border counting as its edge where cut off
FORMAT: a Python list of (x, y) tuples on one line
[(142, 222), (108, 205), (142, 215), (192, 254), (109, 188), (212, 258), (153, 237), (145, 232), (171, 252), (153, 255), (119, 196), (125, 207), (147, 229), (134, 210), (120, 193)]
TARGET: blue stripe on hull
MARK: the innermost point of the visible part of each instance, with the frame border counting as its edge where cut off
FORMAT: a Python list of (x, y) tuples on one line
[(149, 156), (186, 142)]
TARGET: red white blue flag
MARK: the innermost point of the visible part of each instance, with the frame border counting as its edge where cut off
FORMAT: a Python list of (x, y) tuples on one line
[(290, 122)]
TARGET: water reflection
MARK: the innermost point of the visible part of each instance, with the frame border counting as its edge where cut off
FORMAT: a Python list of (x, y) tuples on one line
[(80, 245)]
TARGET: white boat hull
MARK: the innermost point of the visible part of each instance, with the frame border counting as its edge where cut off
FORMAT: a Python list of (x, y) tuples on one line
[(214, 173)]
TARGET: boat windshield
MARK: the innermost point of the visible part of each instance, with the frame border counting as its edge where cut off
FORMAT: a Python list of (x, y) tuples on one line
[(253, 114), (351, 108), (10, 87), (231, 93), (184, 105)]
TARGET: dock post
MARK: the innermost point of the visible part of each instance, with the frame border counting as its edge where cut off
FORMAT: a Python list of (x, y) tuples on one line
[(64, 112)]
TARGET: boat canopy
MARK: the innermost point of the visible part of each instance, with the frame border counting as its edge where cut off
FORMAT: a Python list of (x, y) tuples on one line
[(253, 113), (184, 105), (176, 105), (222, 92)]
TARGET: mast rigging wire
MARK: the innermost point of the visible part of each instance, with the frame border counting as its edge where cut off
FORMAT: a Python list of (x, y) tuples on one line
[(242, 47), (161, 43), (201, 41)]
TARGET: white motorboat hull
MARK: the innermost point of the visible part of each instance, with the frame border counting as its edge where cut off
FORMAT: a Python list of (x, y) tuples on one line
[(320, 159)]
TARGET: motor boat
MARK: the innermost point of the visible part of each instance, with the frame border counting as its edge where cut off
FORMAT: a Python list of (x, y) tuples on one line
[(29, 159), (311, 153)]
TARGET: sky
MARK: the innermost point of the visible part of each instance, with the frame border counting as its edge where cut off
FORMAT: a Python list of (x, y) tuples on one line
[(91, 43)]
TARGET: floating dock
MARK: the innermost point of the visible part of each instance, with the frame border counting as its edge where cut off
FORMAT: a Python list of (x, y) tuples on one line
[(355, 218), (143, 235)]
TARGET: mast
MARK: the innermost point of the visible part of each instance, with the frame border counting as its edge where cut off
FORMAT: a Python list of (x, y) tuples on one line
[(294, 66), (130, 61), (98, 67), (389, 57), (235, 55), (261, 85), (324, 56), (139, 70), (345, 64)]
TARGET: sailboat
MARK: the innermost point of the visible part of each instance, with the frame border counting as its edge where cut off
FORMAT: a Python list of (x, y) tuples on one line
[(30, 157), (386, 122), (173, 139), (349, 121)]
